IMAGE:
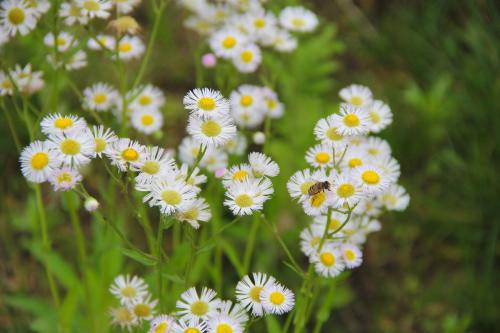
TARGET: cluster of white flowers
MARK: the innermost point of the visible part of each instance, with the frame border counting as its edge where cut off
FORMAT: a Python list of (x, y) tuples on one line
[(237, 30), (24, 79), (352, 178), (20, 16), (200, 312)]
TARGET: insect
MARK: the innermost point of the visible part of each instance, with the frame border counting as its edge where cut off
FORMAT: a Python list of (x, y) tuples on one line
[(319, 187)]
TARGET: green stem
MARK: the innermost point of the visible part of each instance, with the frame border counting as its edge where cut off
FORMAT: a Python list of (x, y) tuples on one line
[(159, 276), (267, 134), (12, 128), (250, 243), (202, 151)]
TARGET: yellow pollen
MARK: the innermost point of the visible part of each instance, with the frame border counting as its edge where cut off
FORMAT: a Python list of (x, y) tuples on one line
[(345, 190), (350, 255), (100, 98), (70, 147), (64, 177), (260, 23), (210, 128), (63, 123), (351, 120), (322, 157), (145, 100), (142, 310), (151, 167), (243, 200), (318, 199), (332, 134), (327, 258), (130, 155), (304, 188), (370, 177), (224, 328), (374, 117), (39, 160), (229, 42), (246, 100), (147, 119), (356, 100), (255, 294), (161, 328), (298, 22), (125, 47), (355, 162), (192, 330), (91, 6), (128, 291), (246, 56), (199, 308), (206, 103), (16, 16), (171, 197), (100, 145), (277, 298), (334, 224), (240, 175)]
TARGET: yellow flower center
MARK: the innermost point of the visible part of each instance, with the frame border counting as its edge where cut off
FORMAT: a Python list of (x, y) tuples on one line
[(246, 56), (246, 100), (123, 315), (64, 177), (7, 84), (224, 328), (100, 145), (356, 100), (229, 42), (255, 294), (161, 328), (315, 241), (206, 103), (145, 100), (327, 258), (74, 10), (390, 199), (128, 291), (304, 188), (271, 104), (373, 151), (16, 16), (210, 128), (171, 197), (199, 308), (125, 47), (240, 175), (350, 255), (70, 147), (151, 167), (334, 224), (39, 160), (345, 190), (91, 6), (63, 123), (130, 155), (277, 298), (192, 330), (355, 162), (243, 200), (100, 98), (322, 157), (191, 214), (147, 119), (260, 23), (374, 116), (318, 199), (370, 177), (142, 310), (351, 120), (298, 22), (332, 134), (60, 41)]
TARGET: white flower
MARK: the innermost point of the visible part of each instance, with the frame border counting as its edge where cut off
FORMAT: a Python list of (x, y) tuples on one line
[(277, 299), (101, 41), (318, 203), (124, 151), (346, 190), (64, 179), (356, 95), (248, 292), (17, 16), (237, 173), (298, 19), (243, 198), (371, 178), (130, 47), (27, 80), (310, 238), (354, 157), (215, 131), (193, 307), (320, 156), (247, 118), (161, 324), (376, 148), (73, 148), (147, 121), (248, 58), (189, 326), (103, 139), (334, 225), (395, 198), (99, 97), (272, 106), (39, 6), (247, 97), (259, 138), (63, 41), (125, 6), (4, 37), (214, 159), (38, 161), (128, 289), (189, 150), (380, 116), (236, 145), (195, 179), (154, 163), (71, 12), (148, 97), (300, 182), (170, 195), (206, 103), (124, 317), (233, 310), (143, 308), (352, 120), (77, 61), (352, 255), (91, 204), (224, 323), (282, 40), (328, 262), (390, 166), (95, 8), (227, 42), (326, 132), (194, 212), (263, 165)]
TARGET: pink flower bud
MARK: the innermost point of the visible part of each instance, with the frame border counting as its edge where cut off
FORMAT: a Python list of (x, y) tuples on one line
[(220, 172), (209, 60)]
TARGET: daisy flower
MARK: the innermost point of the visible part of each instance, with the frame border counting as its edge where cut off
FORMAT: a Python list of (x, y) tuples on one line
[(206, 103), (214, 159), (226, 43), (352, 255), (224, 323), (130, 47), (189, 326), (148, 97), (233, 310), (368, 207), (272, 106), (27, 80), (71, 12), (328, 261), (300, 182), (194, 307), (123, 152), (262, 165), (259, 23), (326, 131), (354, 157), (243, 198), (143, 308), (56, 123), (337, 219), (247, 97), (356, 95), (129, 289), (103, 139), (38, 161), (170, 195), (371, 179), (376, 148), (236, 145), (390, 166), (248, 292), (247, 118), (248, 58), (40, 7), (6, 84), (352, 120), (194, 212), (123, 317), (17, 16), (63, 41), (154, 163), (298, 19), (282, 41), (320, 156), (64, 179), (101, 41), (73, 148), (237, 173), (195, 179), (161, 324), (215, 131), (125, 6), (189, 150), (380, 116), (310, 238), (147, 121), (99, 97), (318, 203), (347, 192), (77, 61), (395, 198), (95, 8), (277, 299)]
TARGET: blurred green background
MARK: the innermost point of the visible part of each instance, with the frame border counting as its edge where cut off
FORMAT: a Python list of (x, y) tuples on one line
[(433, 268)]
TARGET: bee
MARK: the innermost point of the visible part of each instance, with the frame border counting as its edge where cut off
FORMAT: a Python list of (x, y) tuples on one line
[(319, 187)]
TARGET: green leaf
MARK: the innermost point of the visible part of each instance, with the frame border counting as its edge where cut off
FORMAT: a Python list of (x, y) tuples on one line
[(272, 325), (141, 257), (233, 256)]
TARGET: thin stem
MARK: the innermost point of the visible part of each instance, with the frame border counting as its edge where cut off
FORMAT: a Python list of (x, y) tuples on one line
[(12, 128), (202, 150), (267, 134), (159, 276)]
